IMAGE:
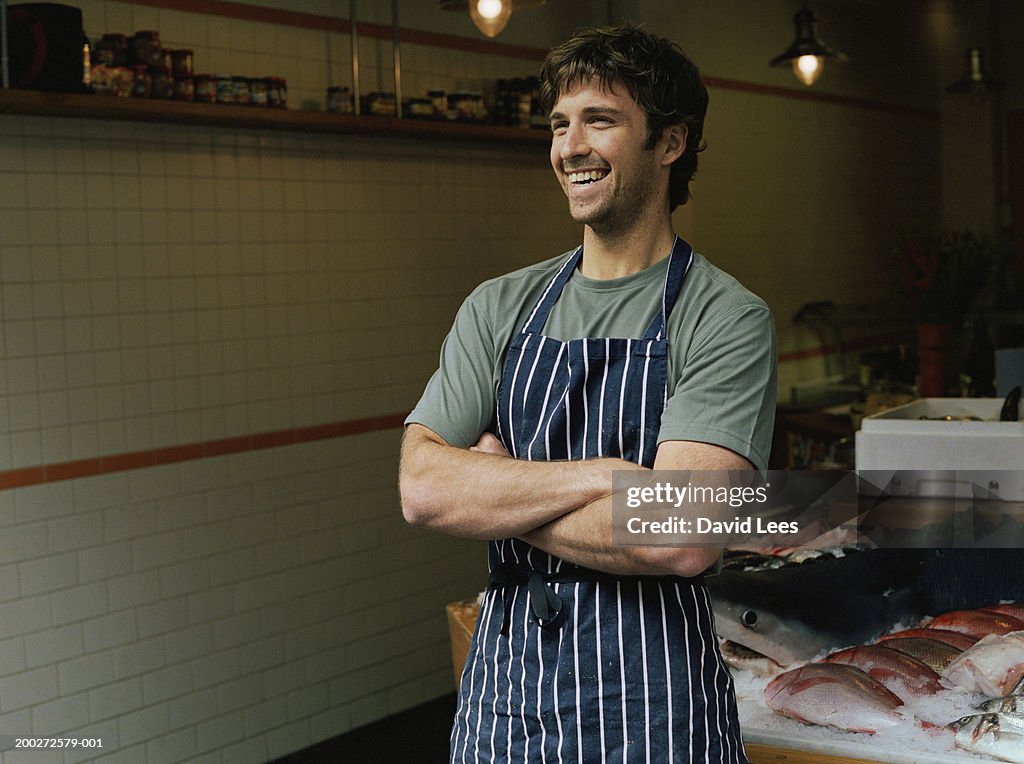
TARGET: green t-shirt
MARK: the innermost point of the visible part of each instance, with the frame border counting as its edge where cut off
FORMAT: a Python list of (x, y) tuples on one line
[(722, 359)]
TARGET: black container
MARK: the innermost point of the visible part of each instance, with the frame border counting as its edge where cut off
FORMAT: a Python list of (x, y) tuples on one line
[(45, 47)]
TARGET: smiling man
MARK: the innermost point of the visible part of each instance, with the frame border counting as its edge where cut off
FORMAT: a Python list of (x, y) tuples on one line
[(631, 352)]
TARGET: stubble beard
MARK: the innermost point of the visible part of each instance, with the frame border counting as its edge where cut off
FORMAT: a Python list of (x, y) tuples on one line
[(618, 214)]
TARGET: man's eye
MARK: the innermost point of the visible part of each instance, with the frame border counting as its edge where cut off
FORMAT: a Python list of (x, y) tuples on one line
[(558, 127)]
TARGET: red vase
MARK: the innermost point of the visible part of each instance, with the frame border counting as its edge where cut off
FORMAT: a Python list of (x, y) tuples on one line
[(932, 351)]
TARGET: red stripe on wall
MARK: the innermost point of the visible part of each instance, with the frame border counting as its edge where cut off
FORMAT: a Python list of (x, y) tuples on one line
[(817, 95), (862, 343), (82, 468), (51, 473)]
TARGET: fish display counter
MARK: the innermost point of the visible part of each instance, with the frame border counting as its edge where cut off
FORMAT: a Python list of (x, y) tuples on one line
[(896, 656), (772, 739)]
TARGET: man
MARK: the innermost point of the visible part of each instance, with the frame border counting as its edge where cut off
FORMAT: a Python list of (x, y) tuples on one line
[(630, 353)]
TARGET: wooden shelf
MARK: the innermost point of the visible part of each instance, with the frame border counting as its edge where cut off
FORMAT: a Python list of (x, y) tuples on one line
[(86, 106)]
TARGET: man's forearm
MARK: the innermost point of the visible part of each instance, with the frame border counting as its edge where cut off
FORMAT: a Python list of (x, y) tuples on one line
[(475, 494), (584, 537)]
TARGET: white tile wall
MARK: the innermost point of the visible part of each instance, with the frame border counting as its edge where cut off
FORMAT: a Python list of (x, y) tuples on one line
[(293, 605)]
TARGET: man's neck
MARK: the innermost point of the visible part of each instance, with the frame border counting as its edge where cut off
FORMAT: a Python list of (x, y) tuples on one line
[(614, 256)]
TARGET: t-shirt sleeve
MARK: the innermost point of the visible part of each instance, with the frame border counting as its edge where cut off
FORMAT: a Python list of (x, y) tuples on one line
[(459, 400), (726, 389)]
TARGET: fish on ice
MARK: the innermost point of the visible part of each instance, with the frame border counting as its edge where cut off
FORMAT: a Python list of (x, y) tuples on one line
[(906, 677), (834, 695), (993, 667), (998, 735)]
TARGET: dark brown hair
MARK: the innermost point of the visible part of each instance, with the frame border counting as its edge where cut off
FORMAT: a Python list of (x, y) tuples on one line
[(659, 76)]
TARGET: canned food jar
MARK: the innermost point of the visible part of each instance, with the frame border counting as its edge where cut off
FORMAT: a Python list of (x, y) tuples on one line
[(439, 102), (225, 89), (421, 108), (204, 88), (146, 48), (277, 92), (184, 89), (181, 63), (241, 89), (339, 100), (257, 91), (117, 45), (142, 85), (161, 82)]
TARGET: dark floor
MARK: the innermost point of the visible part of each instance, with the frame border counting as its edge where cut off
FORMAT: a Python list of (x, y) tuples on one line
[(416, 736)]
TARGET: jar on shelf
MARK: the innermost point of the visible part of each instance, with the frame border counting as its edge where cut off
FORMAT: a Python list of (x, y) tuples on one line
[(240, 85), (418, 108), (142, 85), (277, 92), (225, 89), (163, 59), (181, 63), (439, 103), (162, 83), (146, 48), (204, 88), (339, 100), (113, 47), (184, 89), (258, 91)]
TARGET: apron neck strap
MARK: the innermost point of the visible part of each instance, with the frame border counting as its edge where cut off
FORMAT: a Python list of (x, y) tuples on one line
[(678, 266), (535, 323)]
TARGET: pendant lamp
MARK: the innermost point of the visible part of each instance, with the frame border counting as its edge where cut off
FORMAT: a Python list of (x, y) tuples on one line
[(977, 81), (489, 16), (807, 53)]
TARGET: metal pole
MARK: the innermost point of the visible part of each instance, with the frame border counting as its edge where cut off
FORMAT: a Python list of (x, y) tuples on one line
[(5, 75), (354, 37), (397, 50)]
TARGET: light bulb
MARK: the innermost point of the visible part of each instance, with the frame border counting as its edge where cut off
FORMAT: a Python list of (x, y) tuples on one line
[(490, 16), (808, 68), (489, 9)]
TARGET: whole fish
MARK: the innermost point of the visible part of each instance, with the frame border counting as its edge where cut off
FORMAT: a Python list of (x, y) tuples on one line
[(833, 695), (795, 614), (998, 735), (932, 653), (993, 667), (1015, 609), (952, 638), (905, 676), (977, 623), (1013, 704)]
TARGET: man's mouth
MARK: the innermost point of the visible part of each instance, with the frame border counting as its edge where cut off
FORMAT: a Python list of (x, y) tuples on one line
[(586, 176)]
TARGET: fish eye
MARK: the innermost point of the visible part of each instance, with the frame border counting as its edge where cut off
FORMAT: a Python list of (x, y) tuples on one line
[(749, 619)]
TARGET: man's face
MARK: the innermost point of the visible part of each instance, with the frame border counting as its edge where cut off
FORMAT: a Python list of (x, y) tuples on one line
[(598, 154)]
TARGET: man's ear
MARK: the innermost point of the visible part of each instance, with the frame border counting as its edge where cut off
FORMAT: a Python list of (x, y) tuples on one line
[(674, 142)]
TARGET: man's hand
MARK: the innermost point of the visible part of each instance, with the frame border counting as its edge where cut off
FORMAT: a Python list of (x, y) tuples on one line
[(488, 444)]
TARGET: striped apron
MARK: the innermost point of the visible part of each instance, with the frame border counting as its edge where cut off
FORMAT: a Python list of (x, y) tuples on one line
[(574, 665)]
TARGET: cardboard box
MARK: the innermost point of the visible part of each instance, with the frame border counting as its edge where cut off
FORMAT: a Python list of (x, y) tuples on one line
[(461, 622)]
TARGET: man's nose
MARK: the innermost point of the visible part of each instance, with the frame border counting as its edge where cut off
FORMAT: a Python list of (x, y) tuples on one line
[(574, 142)]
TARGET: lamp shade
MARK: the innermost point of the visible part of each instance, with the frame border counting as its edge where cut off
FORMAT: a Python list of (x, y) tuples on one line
[(807, 54), (489, 16)]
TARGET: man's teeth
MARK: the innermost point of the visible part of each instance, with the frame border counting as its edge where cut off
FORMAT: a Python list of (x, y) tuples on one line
[(585, 177)]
